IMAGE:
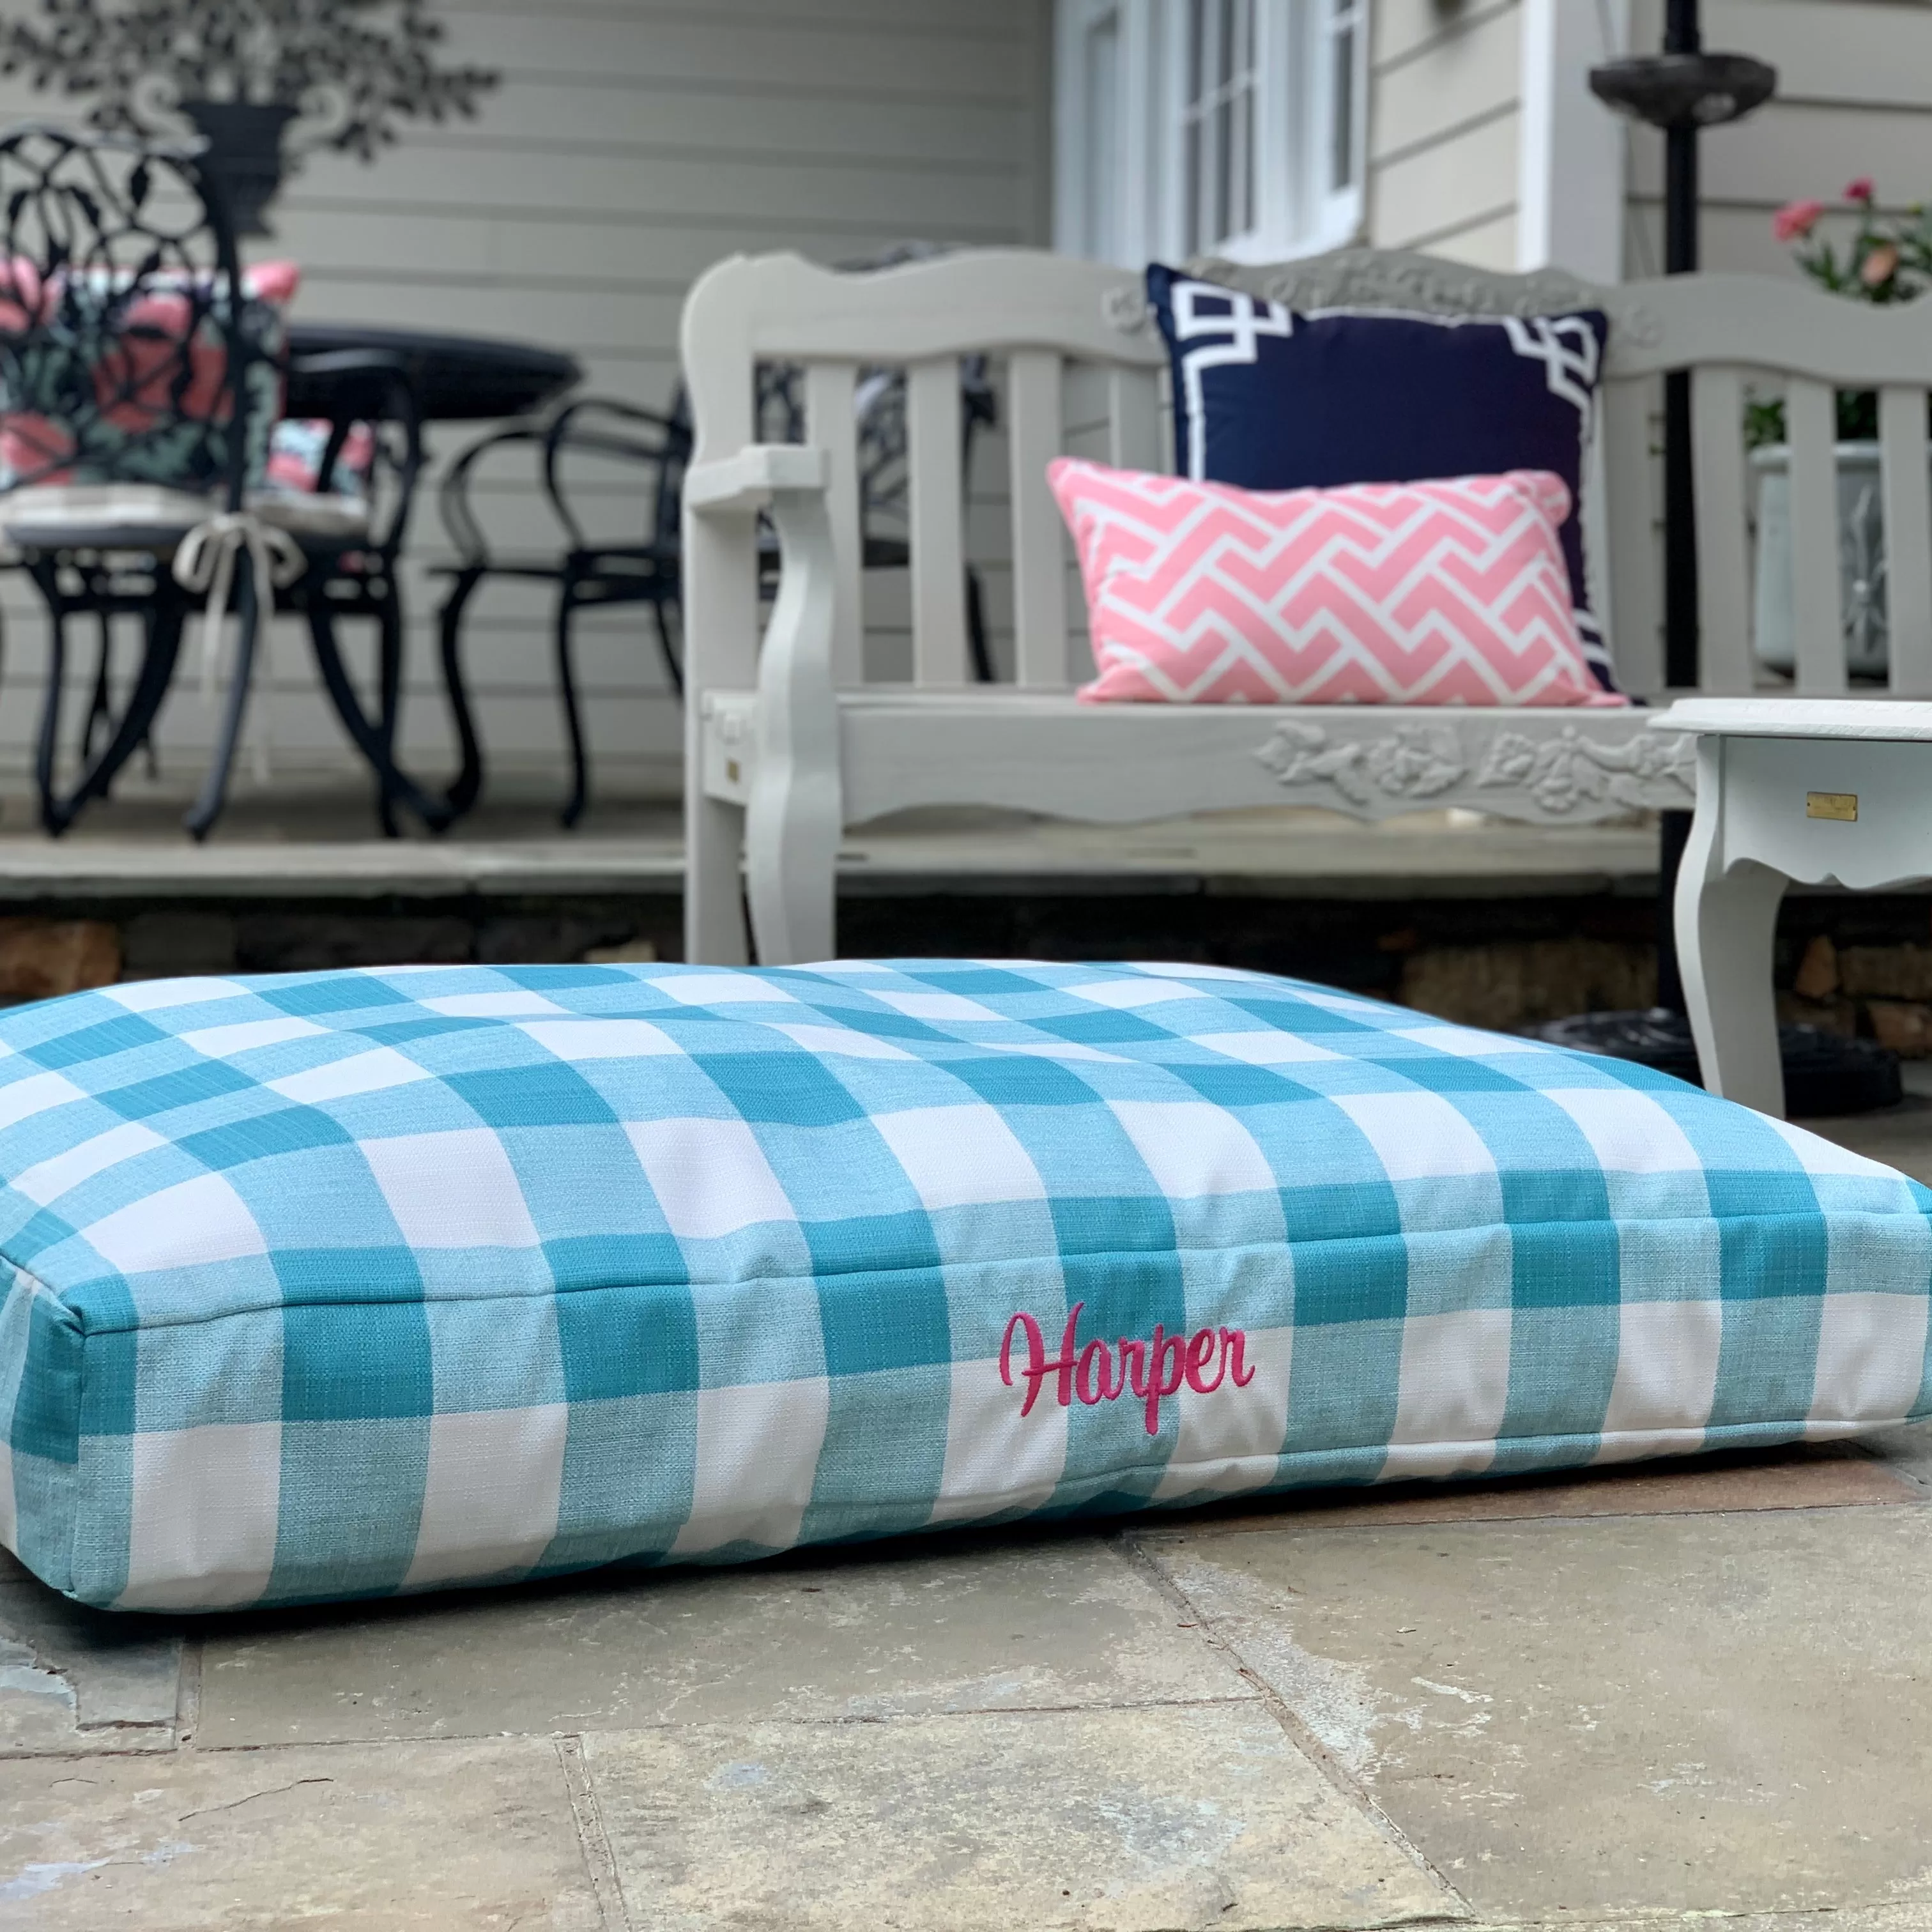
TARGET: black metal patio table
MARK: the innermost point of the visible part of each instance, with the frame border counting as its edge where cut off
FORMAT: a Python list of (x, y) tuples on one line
[(449, 378), (455, 378)]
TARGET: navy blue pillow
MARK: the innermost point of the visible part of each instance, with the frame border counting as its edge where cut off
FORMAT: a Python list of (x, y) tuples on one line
[(1268, 399)]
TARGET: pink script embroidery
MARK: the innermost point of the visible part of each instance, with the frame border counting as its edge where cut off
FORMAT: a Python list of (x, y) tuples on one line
[(1152, 1370)]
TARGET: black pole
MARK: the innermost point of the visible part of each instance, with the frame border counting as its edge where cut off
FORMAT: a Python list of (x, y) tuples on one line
[(1673, 834), (1682, 35), (1683, 90)]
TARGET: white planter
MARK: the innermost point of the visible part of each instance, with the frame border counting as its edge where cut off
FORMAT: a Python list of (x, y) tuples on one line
[(1860, 559)]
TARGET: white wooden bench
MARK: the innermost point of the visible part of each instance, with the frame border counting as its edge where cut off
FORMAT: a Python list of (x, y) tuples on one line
[(787, 744)]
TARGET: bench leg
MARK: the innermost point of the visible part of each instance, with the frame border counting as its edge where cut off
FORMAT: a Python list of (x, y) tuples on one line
[(1725, 919), (714, 891), (468, 783), (791, 860)]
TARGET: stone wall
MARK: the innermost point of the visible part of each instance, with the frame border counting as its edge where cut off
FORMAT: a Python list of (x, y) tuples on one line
[(1883, 991), (1852, 963)]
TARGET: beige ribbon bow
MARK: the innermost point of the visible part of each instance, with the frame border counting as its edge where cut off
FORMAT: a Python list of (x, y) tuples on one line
[(205, 560)]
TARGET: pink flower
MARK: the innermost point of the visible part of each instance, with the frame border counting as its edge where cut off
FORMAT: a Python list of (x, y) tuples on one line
[(1860, 189), (1880, 265), (1796, 219)]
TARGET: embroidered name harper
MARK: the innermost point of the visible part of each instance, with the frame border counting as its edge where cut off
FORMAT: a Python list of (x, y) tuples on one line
[(1152, 1370)]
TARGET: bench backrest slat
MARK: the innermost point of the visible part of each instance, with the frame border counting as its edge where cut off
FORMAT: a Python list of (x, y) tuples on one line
[(1034, 439), (1811, 416), (936, 521), (1135, 440), (1907, 491), (830, 422), (1628, 557), (1723, 581)]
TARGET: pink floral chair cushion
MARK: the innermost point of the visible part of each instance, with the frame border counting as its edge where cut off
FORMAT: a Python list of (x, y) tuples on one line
[(101, 399), (297, 448)]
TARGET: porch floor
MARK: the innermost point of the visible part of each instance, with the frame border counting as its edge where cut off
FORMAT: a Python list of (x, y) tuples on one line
[(288, 842), (1677, 1692)]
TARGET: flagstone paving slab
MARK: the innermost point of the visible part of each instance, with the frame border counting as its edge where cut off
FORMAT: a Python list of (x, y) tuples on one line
[(1909, 1452), (468, 1838), (1133, 1821), (1036, 1620), (1715, 1712), (1833, 1476), (73, 1679)]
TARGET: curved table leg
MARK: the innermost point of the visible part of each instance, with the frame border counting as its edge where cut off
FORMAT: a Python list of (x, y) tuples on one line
[(201, 816), (673, 670), (367, 738), (99, 709), (981, 652), (144, 703), (1726, 916), (389, 678), (47, 745), (468, 784), (566, 687)]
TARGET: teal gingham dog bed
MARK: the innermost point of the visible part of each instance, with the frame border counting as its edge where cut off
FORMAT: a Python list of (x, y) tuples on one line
[(344, 1284)]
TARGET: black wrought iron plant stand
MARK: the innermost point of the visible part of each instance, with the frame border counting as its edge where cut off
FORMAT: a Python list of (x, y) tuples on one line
[(252, 77)]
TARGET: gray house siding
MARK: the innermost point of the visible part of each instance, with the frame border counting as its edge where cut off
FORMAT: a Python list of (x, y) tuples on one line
[(1444, 89), (1855, 97), (632, 143)]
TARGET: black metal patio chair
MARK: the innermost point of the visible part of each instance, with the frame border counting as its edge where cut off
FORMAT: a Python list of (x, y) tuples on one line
[(589, 574), (140, 380)]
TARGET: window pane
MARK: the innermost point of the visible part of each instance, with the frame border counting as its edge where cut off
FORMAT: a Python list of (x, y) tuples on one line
[(1240, 169), (1191, 222), (1342, 104), (1217, 122), (1100, 165), (1242, 218), (1223, 172)]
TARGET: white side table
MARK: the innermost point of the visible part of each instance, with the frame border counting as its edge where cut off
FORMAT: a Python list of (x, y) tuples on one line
[(1822, 790)]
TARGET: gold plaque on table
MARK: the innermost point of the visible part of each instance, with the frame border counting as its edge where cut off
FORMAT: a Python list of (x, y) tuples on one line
[(1843, 806)]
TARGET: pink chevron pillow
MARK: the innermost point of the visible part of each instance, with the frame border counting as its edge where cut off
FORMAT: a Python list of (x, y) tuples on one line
[(1451, 592)]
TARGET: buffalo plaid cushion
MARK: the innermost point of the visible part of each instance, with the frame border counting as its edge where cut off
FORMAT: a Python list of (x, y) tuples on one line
[(342, 1284)]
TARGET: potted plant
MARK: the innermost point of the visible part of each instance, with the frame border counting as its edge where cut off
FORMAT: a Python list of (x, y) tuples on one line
[(1888, 259), (242, 71)]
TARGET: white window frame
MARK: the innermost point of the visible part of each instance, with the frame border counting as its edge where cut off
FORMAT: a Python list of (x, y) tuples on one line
[(1175, 132), (1122, 125), (1297, 208), (1336, 207), (1571, 152)]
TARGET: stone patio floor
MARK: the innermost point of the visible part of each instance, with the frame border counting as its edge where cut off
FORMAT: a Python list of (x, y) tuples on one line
[(1690, 1691)]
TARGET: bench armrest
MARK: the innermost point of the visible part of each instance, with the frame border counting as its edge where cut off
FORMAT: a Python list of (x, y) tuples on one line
[(750, 479), (793, 804)]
